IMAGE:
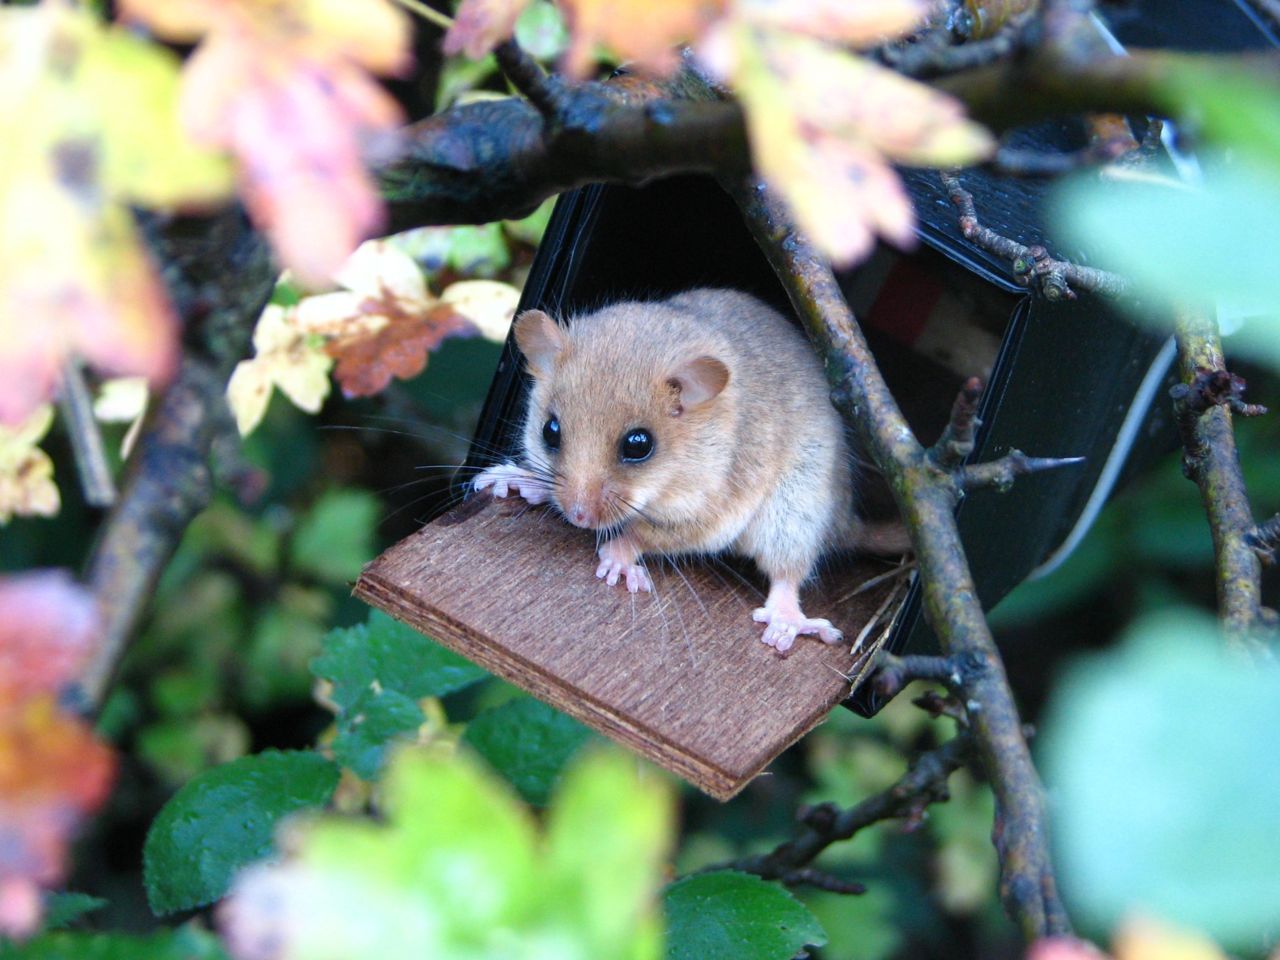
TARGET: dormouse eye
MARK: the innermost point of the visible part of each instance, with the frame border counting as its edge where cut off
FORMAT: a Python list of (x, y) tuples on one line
[(551, 433), (636, 445)]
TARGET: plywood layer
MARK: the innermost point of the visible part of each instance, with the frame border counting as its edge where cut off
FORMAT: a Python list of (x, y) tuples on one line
[(679, 675)]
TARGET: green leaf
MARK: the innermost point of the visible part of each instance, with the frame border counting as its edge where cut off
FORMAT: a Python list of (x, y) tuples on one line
[(607, 841), (1237, 108), (1216, 244), (335, 538), (728, 915), (459, 848), (541, 31), (527, 742), (455, 870), (395, 657), (186, 943), (367, 731), (63, 909), (225, 818), (379, 671), (1165, 783)]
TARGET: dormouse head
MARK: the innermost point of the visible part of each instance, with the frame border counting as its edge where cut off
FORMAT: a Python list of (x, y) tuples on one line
[(616, 418)]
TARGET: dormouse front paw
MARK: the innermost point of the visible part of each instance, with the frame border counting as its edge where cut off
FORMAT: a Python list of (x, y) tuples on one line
[(619, 560), (506, 478)]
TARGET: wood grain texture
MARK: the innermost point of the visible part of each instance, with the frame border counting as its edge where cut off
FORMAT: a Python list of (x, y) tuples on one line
[(679, 675)]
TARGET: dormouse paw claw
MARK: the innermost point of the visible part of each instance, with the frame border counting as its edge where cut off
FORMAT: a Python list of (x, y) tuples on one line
[(619, 561), (507, 477), (782, 628), (636, 576)]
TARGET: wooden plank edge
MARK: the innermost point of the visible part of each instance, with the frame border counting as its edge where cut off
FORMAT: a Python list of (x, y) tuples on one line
[(710, 778)]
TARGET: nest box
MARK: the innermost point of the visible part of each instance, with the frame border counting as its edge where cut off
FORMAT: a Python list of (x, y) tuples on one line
[(680, 675)]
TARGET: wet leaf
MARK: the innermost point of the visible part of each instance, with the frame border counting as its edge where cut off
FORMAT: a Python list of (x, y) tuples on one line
[(528, 742), (284, 87), (728, 915), (225, 819), (26, 472)]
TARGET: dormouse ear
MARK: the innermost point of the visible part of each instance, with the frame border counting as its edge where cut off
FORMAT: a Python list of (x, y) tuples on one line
[(540, 340), (698, 381)]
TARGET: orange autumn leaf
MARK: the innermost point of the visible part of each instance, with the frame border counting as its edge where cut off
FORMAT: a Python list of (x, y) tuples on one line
[(284, 86), (53, 770), (367, 363), (383, 324), (644, 34)]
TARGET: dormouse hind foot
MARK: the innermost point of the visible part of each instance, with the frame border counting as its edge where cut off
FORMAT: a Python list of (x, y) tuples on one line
[(620, 560), (784, 620), (505, 478)]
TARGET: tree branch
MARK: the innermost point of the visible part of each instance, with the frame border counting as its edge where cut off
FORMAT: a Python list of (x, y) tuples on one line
[(220, 276), (926, 498), (499, 159), (1203, 403)]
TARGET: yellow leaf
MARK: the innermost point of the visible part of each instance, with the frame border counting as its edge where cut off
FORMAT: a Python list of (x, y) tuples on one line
[(851, 98), (839, 192), (1147, 939), (641, 32), (26, 472), (824, 125), (489, 304), (285, 357), (283, 86), (87, 119)]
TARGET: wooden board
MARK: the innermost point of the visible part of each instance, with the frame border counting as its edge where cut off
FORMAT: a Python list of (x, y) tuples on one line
[(679, 675)]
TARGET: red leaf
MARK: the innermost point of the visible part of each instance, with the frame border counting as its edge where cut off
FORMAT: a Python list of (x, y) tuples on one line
[(366, 363)]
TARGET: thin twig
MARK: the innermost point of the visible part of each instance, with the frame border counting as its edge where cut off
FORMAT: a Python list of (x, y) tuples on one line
[(441, 20), (546, 92), (925, 782), (956, 443), (1000, 474), (1031, 266), (76, 408), (1264, 538)]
